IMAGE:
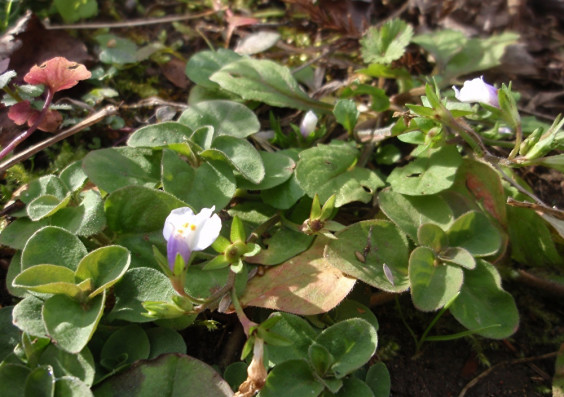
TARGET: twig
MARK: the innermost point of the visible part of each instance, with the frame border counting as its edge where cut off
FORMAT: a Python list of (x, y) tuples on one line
[(87, 122), (135, 22), (474, 381)]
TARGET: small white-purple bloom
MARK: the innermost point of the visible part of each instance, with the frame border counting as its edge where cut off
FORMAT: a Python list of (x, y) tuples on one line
[(185, 232), (477, 90), (308, 124)]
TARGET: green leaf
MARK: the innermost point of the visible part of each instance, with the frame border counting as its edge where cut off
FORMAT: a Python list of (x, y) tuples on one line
[(53, 245), (278, 169), (168, 375), (73, 176), (284, 244), (386, 44), (346, 113), (238, 233), (203, 64), (458, 256), (12, 379), (432, 236), (40, 382), (75, 10), (483, 303), (160, 135), (433, 284), (105, 266), (49, 279), (46, 205), (135, 287), (531, 239), (240, 154), (320, 358), (351, 342), (114, 168), (293, 328), (137, 209), (165, 340), (265, 81), (354, 387), (115, 49), (79, 365), (474, 232), (19, 231), (124, 346), (86, 219), (479, 54), (291, 378), (378, 378), (70, 323), (226, 118), (383, 244), (427, 175), (306, 284), (70, 386), (350, 308), (441, 44), (27, 316), (484, 184), (410, 212), (284, 195), (9, 333), (329, 169), (212, 183), (46, 185)]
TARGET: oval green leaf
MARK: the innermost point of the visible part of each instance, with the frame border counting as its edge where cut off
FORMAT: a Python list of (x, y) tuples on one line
[(70, 323), (483, 303), (53, 245), (433, 284), (105, 266), (167, 376), (385, 248), (226, 117)]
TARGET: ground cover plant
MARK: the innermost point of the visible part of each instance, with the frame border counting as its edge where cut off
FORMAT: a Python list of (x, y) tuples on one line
[(245, 222)]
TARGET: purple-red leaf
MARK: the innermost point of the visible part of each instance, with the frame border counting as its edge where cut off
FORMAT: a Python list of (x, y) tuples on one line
[(57, 74), (22, 113)]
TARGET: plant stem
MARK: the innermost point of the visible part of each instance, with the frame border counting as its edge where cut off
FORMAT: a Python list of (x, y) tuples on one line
[(26, 134), (260, 229), (404, 321), (432, 323), (243, 319)]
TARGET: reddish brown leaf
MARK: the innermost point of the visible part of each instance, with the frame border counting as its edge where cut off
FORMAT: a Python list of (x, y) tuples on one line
[(58, 74), (306, 284), (22, 113), (174, 71)]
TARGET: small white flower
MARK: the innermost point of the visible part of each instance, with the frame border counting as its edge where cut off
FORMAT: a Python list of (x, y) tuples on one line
[(185, 232), (477, 90), (308, 124)]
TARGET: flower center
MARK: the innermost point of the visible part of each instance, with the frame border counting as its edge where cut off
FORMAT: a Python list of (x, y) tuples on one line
[(187, 227)]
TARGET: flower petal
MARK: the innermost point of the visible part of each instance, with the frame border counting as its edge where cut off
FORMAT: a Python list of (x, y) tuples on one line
[(177, 245), (175, 219)]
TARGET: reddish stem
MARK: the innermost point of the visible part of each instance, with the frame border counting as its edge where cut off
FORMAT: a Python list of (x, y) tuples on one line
[(26, 134)]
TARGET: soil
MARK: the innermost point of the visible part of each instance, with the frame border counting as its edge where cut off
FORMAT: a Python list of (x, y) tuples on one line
[(520, 366)]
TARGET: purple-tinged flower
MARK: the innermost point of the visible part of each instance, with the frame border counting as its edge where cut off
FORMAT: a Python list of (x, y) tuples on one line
[(185, 232), (477, 90), (308, 124)]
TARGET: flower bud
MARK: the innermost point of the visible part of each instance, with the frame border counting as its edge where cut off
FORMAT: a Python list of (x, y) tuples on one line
[(308, 124)]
